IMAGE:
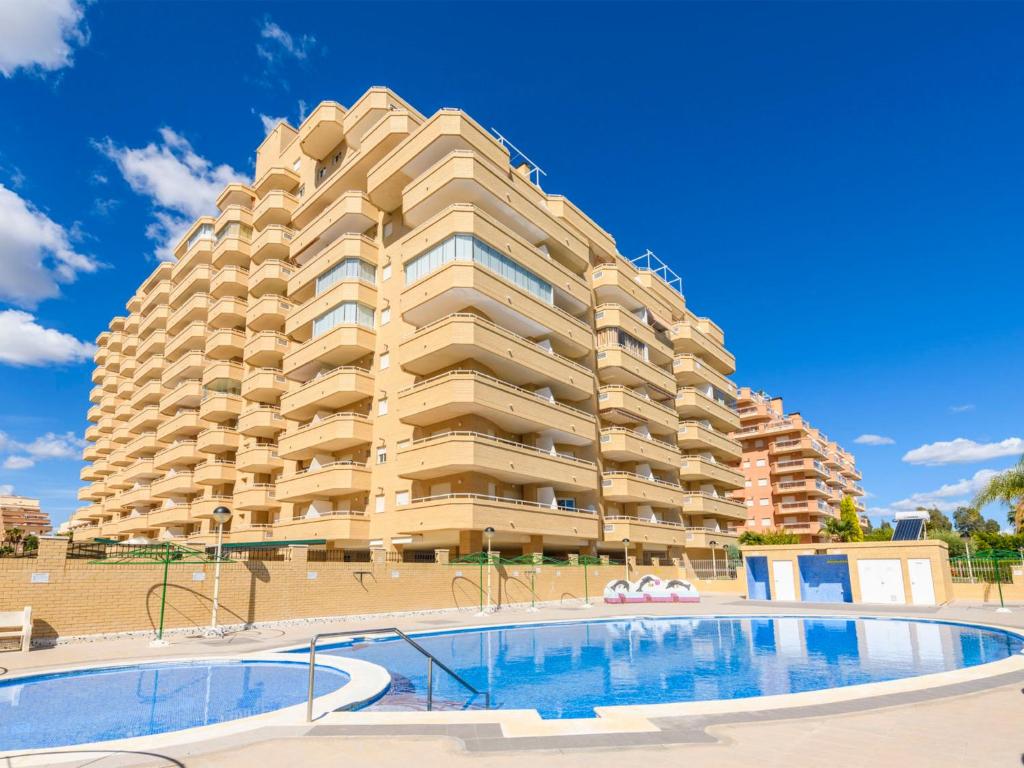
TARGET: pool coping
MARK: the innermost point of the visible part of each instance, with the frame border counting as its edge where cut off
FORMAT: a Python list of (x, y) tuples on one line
[(367, 682)]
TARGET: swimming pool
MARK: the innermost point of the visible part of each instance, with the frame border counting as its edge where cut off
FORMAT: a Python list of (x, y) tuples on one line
[(565, 670), (105, 703)]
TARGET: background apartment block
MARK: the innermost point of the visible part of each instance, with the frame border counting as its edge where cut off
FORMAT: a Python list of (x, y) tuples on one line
[(23, 513), (794, 476), (394, 338)]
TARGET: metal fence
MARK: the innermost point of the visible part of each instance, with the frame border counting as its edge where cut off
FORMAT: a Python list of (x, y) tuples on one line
[(975, 571), (19, 549), (338, 556), (711, 570)]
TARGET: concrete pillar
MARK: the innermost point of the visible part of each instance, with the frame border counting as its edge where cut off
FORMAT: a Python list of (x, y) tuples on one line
[(534, 546), (299, 553), (378, 556), (441, 556)]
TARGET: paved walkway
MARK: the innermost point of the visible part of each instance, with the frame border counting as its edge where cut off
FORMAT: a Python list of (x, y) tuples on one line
[(980, 728)]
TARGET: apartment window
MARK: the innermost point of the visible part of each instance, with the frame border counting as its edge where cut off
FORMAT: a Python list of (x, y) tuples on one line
[(345, 313), (468, 248), (301, 190), (382, 407), (759, 443), (347, 269), (762, 502), (746, 484), (297, 164), (751, 521), (566, 503), (382, 454), (389, 227), (746, 464), (378, 503), (762, 482), (760, 462), (385, 361), (205, 232), (766, 521), (749, 502), (401, 498), (386, 272), (385, 316)]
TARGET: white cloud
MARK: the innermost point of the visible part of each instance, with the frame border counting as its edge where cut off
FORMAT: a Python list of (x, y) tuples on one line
[(18, 462), (6, 489), (276, 44), (181, 184), (270, 123), (946, 497), (24, 342), (961, 408), (36, 254), (40, 35), (870, 439), (48, 446), (963, 451)]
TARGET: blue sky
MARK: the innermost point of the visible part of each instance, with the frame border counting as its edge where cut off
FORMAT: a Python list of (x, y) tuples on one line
[(840, 186)]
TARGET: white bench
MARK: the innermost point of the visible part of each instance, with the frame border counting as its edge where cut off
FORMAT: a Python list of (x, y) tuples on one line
[(16, 624)]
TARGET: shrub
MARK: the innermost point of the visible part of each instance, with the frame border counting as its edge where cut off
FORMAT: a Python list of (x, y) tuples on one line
[(773, 537), (955, 543)]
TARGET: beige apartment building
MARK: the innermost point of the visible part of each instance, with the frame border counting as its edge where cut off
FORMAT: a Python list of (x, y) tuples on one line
[(794, 476), (24, 514), (395, 339)]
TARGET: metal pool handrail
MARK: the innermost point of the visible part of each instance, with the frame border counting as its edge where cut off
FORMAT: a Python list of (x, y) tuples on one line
[(431, 661)]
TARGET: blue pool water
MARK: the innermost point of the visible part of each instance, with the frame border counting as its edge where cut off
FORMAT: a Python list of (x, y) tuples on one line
[(565, 670), (120, 702)]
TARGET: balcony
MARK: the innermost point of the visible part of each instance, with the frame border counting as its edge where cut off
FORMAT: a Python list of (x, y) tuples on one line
[(228, 312), (270, 277), (153, 346), (187, 394), (508, 517), (220, 406), (625, 445), (658, 533), (196, 282), (706, 504), (813, 488), (322, 130), (617, 364), (180, 425), (452, 453), (145, 444), (272, 242), (708, 537), (801, 466), (261, 421), (175, 484), (688, 339), (230, 281), (264, 385), (223, 375), (331, 391), (225, 344), (623, 406), (800, 447), (619, 282), (628, 487), (691, 371), (258, 458), (340, 526), (614, 317), (458, 284), (341, 478), (256, 498), (337, 432), (302, 284), (299, 323), (217, 440), (188, 366), (814, 507), (693, 437), (190, 337), (169, 515), (141, 472), (275, 207), (202, 506), (157, 295), (267, 313), (341, 345), (214, 472), (180, 453), (266, 349), (693, 404), (513, 409), (698, 469), (513, 358)]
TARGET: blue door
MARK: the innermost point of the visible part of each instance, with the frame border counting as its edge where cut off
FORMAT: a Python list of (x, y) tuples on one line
[(825, 579), (758, 585)]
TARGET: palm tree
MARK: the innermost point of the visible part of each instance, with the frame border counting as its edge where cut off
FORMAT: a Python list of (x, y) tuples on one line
[(839, 529), (14, 535), (1008, 488)]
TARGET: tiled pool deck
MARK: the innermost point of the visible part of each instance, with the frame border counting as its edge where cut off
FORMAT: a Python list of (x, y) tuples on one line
[(966, 721)]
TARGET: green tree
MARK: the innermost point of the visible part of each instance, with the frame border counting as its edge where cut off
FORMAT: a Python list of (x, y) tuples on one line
[(968, 521), (937, 521), (31, 543), (1006, 488), (848, 514), (750, 538), (884, 533), (839, 529), (14, 535), (956, 545)]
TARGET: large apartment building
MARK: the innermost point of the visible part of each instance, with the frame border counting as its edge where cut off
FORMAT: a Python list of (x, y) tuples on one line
[(24, 514), (394, 338), (794, 476)]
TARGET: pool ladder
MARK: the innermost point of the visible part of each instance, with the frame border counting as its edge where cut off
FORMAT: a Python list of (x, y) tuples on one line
[(431, 661)]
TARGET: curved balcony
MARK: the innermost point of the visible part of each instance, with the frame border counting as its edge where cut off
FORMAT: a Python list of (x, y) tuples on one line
[(628, 487), (261, 421), (342, 527), (223, 375), (270, 277), (337, 432), (275, 207), (169, 515), (513, 409), (220, 406), (616, 317), (267, 313), (188, 366), (265, 349), (190, 337), (516, 359), (623, 406), (258, 458), (302, 284), (617, 364), (697, 469), (693, 437), (140, 472), (456, 452), (273, 242), (177, 454), (706, 504), (341, 478), (180, 425), (257, 498), (342, 345), (146, 444), (658, 533), (625, 445), (218, 439), (158, 294), (691, 371), (196, 282), (693, 404), (686, 338), (230, 281), (228, 312), (806, 446), (619, 282), (214, 472), (153, 345), (299, 323), (264, 385), (331, 391), (176, 484), (225, 344)]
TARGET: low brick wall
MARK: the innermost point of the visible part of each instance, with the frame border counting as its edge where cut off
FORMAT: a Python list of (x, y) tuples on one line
[(75, 597)]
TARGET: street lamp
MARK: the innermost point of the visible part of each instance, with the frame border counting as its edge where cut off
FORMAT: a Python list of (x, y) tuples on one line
[(714, 560), (489, 534), (220, 515), (625, 556)]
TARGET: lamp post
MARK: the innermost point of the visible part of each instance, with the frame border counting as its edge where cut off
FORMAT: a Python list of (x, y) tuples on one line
[(488, 534), (967, 546), (220, 515), (625, 556), (714, 560)]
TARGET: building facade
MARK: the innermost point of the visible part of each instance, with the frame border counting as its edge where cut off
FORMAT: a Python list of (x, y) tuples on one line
[(794, 476), (24, 514), (394, 338)]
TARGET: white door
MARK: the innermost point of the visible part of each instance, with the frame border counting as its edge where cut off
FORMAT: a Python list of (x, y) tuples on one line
[(922, 589), (782, 576), (881, 581)]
